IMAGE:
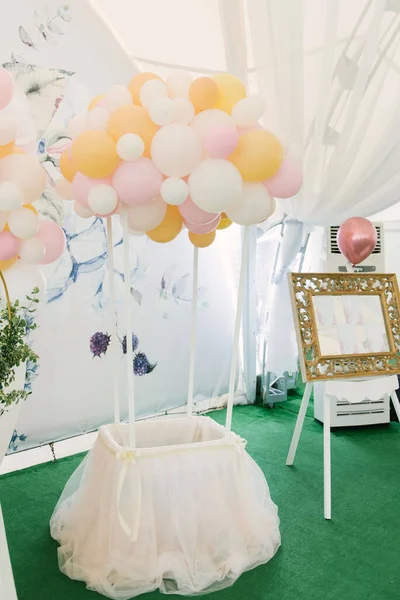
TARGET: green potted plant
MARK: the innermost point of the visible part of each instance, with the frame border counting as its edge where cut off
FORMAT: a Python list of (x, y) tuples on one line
[(16, 322)]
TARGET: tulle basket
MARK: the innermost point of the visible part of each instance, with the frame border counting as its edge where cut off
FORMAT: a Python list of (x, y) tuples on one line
[(187, 512)]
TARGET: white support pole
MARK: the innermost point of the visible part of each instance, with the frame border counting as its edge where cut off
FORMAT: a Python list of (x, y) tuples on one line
[(236, 332), (327, 457), (396, 404), (113, 321), (128, 316), (193, 334), (299, 424)]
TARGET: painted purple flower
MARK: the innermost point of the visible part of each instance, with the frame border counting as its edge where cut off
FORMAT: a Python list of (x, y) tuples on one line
[(135, 343), (99, 343), (141, 365)]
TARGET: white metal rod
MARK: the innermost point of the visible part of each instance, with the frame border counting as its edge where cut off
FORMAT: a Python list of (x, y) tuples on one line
[(236, 332), (299, 424), (327, 457), (113, 321), (128, 316), (193, 334)]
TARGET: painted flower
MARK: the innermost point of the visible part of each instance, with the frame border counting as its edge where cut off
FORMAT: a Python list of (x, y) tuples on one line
[(99, 343), (141, 365), (135, 343)]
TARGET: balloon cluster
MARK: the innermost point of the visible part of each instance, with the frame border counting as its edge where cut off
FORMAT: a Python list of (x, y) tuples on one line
[(184, 152), (22, 180)]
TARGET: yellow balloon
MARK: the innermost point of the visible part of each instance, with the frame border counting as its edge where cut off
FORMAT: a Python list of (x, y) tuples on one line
[(225, 222), (132, 119), (202, 240), (258, 155), (6, 149), (94, 154), (67, 167), (203, 93), (230, 89), (136, 83), (94, 102), (169, 228), (17, 150), (31, 207), (7, 264)]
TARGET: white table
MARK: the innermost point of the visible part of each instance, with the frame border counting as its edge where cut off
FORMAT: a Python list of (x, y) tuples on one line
[(356, 390), (7, 586)]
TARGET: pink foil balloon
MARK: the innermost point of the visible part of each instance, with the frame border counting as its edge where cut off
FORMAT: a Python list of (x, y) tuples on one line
[(221, 141), (9, 245), (6, 88), (82, 185), (137, 182), (53, 239), (193, 214), (287, 181), (356, 239), (203, 229)]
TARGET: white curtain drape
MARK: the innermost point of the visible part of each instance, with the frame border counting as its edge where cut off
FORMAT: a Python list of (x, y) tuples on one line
[(333, 104)]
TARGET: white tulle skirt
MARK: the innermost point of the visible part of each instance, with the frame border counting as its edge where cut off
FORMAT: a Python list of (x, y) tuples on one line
[(187, 512)]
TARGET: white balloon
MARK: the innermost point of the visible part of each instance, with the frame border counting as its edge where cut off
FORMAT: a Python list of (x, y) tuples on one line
[(174, 191), (248, 111), (176, 150), (117, 96), (161, 110), (255, 206), (103, 199), (207, 119), (97, 119), (130, 147), (11, 196), (178, 84), (136, 233), (76, 126), (154, 88), (3, 219), (145, 217), (23, 223), (8, 129), (32, 250), (82, 211), (216, 185), (22, 279), (19, 107), (183, 111)]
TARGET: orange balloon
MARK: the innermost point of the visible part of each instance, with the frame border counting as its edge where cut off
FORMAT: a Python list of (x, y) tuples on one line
[(132, 119), (258, 155), (6, 149), (225, 222), (94, 102), (136, 83), (203, 93), (17, 150), (230, 89), (31, 207), (169, 227), (7, 264), (94, 154), (202, 240), (67, 167)]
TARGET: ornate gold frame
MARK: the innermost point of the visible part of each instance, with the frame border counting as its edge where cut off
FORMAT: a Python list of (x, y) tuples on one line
[(314, 367)]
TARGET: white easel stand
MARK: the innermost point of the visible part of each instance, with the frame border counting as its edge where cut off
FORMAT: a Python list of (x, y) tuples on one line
[(7, 586), (336, 389)]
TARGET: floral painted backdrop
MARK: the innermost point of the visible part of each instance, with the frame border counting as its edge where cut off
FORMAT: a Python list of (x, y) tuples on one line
[(51, 60)]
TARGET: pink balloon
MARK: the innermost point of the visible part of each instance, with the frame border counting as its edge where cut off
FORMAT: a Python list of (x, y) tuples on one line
[(193, 214), (356, 239), (6, 88), (221, 141), (82, 185), (137, 182), (9, 245), (53, 239), (287, 181), (203, 228)]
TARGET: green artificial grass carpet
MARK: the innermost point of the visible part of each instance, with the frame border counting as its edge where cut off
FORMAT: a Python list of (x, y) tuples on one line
[(354, 556)]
